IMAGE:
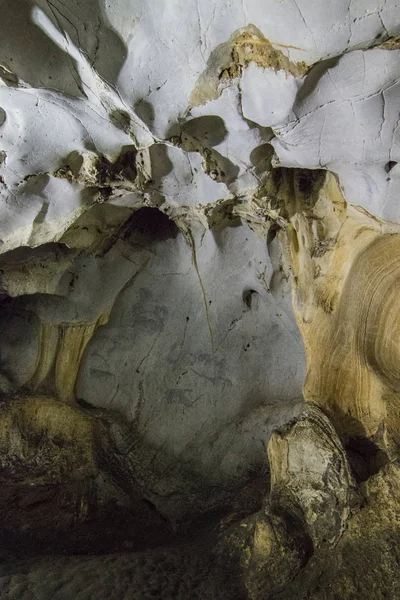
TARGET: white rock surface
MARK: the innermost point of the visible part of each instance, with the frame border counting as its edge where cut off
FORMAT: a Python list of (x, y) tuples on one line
[(346, 119), (154, 54), (268, 95), (205, 360)]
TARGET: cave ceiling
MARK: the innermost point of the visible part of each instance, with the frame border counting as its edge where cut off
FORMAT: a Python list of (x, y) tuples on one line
[(200, 298)]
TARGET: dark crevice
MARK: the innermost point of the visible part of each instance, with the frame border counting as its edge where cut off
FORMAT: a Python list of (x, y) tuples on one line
[(148, 225), (365, 458)]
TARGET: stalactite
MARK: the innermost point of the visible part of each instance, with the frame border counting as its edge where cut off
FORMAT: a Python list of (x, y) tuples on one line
[(60, 351)]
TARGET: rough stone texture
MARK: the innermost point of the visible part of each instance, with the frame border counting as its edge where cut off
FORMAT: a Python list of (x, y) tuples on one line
[(56, 493), (192, 198), (365, 562), (310, 473), (268, 549), (170, 575), (277, 553), (312, 493)]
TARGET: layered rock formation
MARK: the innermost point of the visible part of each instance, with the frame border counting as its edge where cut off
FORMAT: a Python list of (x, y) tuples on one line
[(199, 349)]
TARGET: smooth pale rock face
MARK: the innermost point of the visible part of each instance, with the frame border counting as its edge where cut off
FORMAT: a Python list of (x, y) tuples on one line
[(200, 344), (185, 355), (267, 95), (346, 119)]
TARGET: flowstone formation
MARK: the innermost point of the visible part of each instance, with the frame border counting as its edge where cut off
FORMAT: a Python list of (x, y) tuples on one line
[(199, 288)]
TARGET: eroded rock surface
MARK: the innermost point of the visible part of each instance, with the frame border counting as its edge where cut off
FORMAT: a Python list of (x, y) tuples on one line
[(311, 497), (286, 550), (181, 574), (199, 314), (311, 473), (364, 564)]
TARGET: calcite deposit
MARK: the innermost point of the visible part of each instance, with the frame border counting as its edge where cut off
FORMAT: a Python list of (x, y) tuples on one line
[(199, 288)]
